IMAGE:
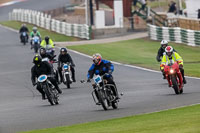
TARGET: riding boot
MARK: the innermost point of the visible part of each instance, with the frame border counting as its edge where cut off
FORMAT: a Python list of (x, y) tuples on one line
[(73, 74), (182, 72), (42, 92)]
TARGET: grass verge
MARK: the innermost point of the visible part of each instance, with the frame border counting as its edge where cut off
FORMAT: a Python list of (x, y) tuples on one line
[(53, 35), (181, 120), (142, 52)]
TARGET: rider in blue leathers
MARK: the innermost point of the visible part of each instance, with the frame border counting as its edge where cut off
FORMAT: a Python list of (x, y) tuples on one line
[(101, 67)]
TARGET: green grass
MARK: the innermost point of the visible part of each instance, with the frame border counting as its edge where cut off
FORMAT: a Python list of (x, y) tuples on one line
[(182, 120), (53, 35), (142, 52)]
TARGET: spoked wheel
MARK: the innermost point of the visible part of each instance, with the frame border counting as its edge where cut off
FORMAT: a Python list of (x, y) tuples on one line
[(48, 94), (103, 100), (68, 80), (175, 85)]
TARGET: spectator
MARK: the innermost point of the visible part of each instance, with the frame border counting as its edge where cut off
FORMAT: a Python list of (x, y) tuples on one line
[(172, 7), (135, 4)]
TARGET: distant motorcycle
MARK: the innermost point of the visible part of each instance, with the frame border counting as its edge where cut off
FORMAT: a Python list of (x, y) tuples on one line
[(24, 38), (50, 50), (66, 74), (174, 76), (104, 93), (36, 43), (49, 89)]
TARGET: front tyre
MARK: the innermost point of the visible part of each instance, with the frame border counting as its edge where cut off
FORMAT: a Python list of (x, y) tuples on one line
[(175, 85), (103, 100), (68, 80), (48, 94)]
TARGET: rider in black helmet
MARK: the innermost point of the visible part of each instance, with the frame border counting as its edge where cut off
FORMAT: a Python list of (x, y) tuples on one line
[(40, 68), (65, 57)]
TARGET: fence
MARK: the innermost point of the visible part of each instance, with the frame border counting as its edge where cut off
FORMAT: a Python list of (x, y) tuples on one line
[(45, 21), (174, 34)]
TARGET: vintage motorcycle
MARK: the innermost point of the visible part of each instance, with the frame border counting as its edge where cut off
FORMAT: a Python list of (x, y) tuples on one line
[(66, 74), (49, 89), (36, 43), (103, 93), (173, 76), (24, 36)]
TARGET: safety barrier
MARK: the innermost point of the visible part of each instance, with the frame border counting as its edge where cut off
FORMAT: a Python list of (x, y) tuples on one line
[(45, 21), (174, 34)]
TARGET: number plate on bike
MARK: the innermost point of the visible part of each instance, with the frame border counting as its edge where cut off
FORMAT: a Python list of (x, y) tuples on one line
[(42, 78), (97, 79), (65, 66)]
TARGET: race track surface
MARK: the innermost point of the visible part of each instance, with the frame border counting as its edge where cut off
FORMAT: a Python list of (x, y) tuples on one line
[(21, 107)]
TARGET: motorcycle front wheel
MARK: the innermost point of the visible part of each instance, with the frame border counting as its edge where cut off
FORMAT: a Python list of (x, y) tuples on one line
[(103, 100), (175, 85)]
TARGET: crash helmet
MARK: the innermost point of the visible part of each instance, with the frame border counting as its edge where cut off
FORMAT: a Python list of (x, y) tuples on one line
[(24, 25), (63, 51), (164, 44), (34, 29), (46, 39), (37, 59), (96, 58), (169, 51), (42, 51)]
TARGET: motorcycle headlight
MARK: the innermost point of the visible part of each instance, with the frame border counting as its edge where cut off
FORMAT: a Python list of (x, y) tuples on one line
[(171, 71)]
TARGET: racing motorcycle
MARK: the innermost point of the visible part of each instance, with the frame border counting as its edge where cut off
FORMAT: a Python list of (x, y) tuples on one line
[(49, 89), (104, 93), (174, 76), (51, 62), (36, 43), (24, 37), (50, 50), (66, 74)]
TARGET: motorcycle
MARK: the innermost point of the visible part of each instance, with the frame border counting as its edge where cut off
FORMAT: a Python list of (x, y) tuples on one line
[(50, 50), (36, 43), (174, 76), (51, 62), (24, 38), (49, 89), (104, 93), (66, 74)]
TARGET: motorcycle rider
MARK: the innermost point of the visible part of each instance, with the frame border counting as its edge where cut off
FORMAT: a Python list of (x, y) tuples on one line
[(42, 68), (50, 59), (47, 43), (23, 29), (161, 51), (170, 54), (34, 33), (101, 67), (65, 57)]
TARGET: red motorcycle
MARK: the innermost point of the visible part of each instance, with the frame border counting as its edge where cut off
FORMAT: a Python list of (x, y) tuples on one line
[(173, 76)]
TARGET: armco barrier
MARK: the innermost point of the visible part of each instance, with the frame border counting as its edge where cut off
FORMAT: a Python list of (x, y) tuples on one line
[(45, 21), (174, 34)]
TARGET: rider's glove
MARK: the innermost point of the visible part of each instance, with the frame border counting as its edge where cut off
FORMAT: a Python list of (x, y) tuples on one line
[(88, 80), (34, 83), (110, 72)]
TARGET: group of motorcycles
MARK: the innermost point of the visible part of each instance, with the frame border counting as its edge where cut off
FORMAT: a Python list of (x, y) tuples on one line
[(35, 41)]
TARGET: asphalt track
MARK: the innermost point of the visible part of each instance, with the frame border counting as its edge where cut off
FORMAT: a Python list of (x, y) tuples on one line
[(21, 107)]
